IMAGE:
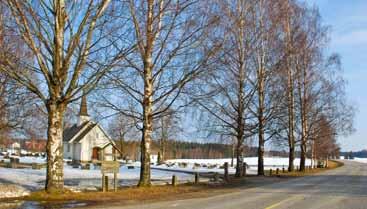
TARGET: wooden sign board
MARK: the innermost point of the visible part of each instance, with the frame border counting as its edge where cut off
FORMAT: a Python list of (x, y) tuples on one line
[(110, 167)]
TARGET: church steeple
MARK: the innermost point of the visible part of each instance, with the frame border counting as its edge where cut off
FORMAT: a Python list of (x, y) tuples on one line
[(83, 112), (83, 107)]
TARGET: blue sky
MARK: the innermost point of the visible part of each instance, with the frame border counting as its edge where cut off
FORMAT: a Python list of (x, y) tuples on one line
[(348, 21)]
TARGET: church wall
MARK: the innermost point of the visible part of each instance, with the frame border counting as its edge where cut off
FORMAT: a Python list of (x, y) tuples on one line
[(95, 138), (86, 152), (108, 150), (77, 151), (68, 150)]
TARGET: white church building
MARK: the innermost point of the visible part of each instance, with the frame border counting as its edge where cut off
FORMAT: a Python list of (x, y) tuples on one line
[(86, 141)]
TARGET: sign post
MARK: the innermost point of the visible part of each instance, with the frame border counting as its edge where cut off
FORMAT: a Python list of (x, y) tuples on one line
[(109, 167)]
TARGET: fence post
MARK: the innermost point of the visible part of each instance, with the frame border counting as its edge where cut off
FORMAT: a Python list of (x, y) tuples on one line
[(104, 183), (174, 180), (226, 171), (271, 172), (277, 171), (115, 181), (197, 178)]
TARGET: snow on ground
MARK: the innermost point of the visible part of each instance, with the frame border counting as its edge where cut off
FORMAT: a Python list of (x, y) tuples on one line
[(31, 160), (213, 165), (84, 179), (361, 160), (91, 179), (26, 159), (12, 190)]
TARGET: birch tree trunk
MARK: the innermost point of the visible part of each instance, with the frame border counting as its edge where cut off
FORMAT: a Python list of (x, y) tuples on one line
[(290, 91), (232, 154), (290, 97), (54, 148), (240, 118), (302, 166), (147, 125), (314, 159), (147, 101), (260, 152), (240, 93), (239, 158), (56, 71), (261, 95)]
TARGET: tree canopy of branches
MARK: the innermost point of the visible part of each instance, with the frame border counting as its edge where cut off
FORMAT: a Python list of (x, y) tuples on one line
[(273, 78), (256, 70), (70, 48), (171, 51)]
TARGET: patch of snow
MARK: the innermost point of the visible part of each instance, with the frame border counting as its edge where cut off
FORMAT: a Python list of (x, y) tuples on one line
[(85, 179), (24, 152), (31, 160), (361, 160), (213, 165), (11, 191), (91, 179)]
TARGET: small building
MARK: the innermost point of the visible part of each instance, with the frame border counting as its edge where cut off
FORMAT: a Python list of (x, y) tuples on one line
[(35, 145), (14, 148), (86, 141)]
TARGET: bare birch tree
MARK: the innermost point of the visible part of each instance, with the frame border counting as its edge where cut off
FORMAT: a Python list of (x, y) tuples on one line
[(171, 51), (70, 47), (267, 60), (228, 91)]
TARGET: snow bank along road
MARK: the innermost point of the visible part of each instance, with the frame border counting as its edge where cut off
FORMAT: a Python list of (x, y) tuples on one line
[(344, 187)]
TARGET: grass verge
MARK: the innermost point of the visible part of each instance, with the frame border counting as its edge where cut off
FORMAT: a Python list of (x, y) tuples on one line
[(130, 195), (332, 165), (134, 195)]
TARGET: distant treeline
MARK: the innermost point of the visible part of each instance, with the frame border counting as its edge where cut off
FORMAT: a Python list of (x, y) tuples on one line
[(190, 150), (360, 154)]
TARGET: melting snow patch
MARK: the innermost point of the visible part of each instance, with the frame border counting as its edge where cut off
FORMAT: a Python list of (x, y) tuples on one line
[(11, 191)]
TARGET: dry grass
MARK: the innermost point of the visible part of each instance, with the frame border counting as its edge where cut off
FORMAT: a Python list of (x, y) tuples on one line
[(332, 165), (128, 195)]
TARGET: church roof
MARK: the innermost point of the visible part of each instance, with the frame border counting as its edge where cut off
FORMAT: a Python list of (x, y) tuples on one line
[(72, 131), (85, 131), (76, 133)]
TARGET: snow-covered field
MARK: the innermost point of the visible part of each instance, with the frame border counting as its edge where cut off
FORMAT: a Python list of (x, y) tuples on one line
[(213, 165), (26, 159), (161, 174), (361, 160), (83, 179)]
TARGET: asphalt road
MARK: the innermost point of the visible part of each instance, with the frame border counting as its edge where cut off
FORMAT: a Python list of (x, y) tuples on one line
[(344, 187)]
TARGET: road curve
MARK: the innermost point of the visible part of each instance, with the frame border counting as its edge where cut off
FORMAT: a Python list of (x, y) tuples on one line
[(344, 187)]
